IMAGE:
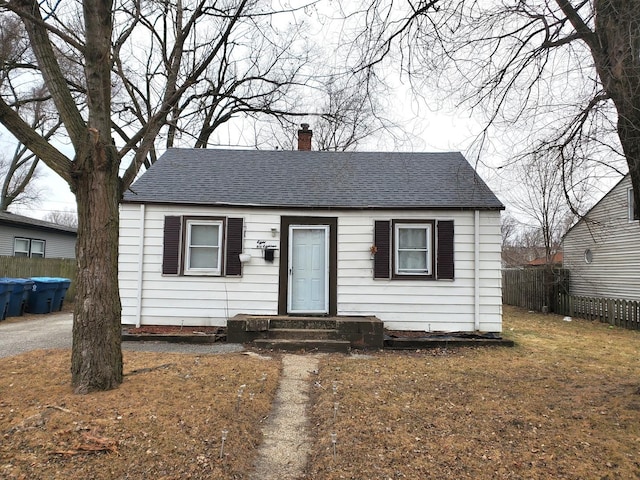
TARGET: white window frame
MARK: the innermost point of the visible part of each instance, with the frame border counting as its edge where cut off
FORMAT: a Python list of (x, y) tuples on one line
[(38, 254), (23, 253), (188, 270), (631, 206), (29, 252), (428, 227)]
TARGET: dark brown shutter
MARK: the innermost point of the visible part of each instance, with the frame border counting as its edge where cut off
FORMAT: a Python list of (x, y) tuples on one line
[(171, 246), (234, 246), (382, 239), (444, 262)]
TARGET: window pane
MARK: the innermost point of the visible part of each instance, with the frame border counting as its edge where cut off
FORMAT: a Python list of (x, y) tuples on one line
[(203, 257), (412, 261), (204, 235), (37, 248), (21, 247), (412, 238)]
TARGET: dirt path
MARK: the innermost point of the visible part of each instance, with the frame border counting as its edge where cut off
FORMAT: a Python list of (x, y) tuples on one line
[(283, 453)]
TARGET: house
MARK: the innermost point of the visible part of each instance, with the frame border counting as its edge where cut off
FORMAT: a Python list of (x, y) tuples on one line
[(412, 238), (602, 250), (22, 236)]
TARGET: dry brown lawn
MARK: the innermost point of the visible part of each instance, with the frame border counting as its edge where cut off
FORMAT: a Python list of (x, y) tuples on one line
[(563, 403), (164, 422)]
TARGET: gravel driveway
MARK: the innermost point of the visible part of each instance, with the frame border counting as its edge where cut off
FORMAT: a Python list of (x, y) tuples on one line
[(22, 334)]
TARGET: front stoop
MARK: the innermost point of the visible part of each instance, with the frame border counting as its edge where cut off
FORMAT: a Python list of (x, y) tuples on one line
[(323, 334)]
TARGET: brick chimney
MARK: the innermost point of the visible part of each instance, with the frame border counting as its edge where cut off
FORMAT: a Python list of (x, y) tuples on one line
[(304, 137)]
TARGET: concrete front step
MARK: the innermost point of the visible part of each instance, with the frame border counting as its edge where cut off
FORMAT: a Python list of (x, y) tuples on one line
[(303, 323), (276, 331), (289, 345), (302, 334)]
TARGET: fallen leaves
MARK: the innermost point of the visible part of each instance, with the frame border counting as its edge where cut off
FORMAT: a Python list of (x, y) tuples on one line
[(89, 443), (163, 422)]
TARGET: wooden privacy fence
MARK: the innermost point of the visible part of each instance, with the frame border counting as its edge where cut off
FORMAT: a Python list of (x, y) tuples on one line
[(618, 312), (23, 267), (533, 288)]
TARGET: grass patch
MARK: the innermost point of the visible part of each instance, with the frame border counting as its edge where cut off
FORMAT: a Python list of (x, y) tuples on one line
[(563, 403), (164, 422)]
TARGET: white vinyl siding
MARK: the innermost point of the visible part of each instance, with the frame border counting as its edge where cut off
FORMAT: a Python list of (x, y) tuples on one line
[(409, 304), (613, 242)]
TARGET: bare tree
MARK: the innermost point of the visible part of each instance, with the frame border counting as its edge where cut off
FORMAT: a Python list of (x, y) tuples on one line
[(538, 196), (68, 218), (565, 73), (18, 187), (237, 61), (111, 137), (20, 170), (345, 111)]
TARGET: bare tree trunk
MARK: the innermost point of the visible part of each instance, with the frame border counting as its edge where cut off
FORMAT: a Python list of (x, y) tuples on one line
[(96, 359)]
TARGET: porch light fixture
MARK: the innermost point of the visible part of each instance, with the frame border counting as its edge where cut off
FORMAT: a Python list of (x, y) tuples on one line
[(244, 257)]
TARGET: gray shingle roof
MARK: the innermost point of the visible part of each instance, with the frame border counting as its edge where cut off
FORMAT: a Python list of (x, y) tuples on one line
[(310, 179), (13, 219)]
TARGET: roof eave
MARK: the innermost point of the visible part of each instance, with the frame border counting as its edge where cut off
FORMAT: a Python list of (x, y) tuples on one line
[(319, 207)]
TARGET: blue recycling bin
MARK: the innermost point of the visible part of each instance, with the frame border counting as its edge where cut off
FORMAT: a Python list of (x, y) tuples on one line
[(5, 294), (43, 291), (61, 292), (19, 298)]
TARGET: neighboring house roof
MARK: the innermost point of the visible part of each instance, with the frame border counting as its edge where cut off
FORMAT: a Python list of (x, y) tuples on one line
[(7, 218), (303, 179), (556, 259)]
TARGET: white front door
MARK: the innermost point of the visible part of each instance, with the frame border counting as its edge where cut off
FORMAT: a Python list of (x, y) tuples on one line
[(308, 290)]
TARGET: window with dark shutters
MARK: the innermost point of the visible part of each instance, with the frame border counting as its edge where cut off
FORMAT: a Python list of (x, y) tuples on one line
[(234, 246), (444, 257), (171, 251), (171, 246), (382, 241), (444, 262)]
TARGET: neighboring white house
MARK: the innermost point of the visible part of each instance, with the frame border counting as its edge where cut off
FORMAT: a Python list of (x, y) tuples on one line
[(412, 238), (602, 250), (29, 237)]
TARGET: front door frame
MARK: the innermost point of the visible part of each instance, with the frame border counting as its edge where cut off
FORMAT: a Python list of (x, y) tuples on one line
[(325, 269), (283, 287)]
